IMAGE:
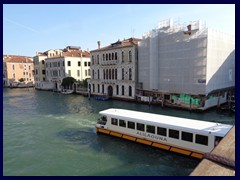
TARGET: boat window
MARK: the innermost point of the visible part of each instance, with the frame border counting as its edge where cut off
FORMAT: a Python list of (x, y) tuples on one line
[(140, 126), (173, 133), (122, 123), (131, 125), (200, 139), (186, 136), (161, 131), (114, 121), (151, 129)]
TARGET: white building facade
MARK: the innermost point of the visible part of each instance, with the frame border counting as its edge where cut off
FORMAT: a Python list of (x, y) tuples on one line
[(186, 65), (114, 69), (69, 62)]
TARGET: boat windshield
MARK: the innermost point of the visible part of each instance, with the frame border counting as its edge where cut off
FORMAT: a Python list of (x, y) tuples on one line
[(102, 120)]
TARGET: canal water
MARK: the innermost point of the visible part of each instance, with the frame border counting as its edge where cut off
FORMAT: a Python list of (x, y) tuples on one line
[(54, 134)]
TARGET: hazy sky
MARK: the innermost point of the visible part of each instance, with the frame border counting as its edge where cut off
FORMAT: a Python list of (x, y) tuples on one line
[(31, 28)]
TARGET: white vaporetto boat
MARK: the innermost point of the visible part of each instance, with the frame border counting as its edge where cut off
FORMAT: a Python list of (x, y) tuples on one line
[(186, 136)]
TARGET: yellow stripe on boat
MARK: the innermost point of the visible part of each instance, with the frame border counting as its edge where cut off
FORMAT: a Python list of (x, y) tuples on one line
[(181, 151), (103, 131), (161, 146), (116, 134), (196, 155), (144, 141), (129, 138)]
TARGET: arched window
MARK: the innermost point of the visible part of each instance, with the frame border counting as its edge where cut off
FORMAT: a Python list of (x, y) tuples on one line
[(93, 74), (130, 56), (98, 59), (109, 56), (103, 56), (117, 89), (122, 74), (115, 55), (123, 90), (112, 73), (92, 59), (130, 74), (106, 56), (98, 74), (107, 74), (104, 74), (112, 56), (93, 87), (130, 91), (115, 73), (98, 87)]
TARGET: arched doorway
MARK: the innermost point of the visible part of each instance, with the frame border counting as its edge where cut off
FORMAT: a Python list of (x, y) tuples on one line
[(110, 91)]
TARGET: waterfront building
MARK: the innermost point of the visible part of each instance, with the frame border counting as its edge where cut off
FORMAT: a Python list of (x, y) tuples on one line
[(17, 71), (114, 69), (69, 62), (186, 65)]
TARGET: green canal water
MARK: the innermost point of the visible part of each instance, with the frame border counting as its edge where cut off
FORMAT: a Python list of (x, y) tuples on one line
[(51, 134)]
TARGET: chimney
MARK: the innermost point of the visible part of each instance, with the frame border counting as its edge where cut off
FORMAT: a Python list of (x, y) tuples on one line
[(99, 44)]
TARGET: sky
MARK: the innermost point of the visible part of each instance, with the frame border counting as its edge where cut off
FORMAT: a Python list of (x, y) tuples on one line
[(31, 28)]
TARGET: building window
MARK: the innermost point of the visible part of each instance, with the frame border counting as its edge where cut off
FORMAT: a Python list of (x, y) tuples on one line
[(36, 71), (59, 72), (92, 59), (122, 123), (115, 73), (13, 67), (109, 56), (115, 55), (112, 73), (112, 56), (122, 90), (78, 73), (14, 75), (63, 63), (69, 63), (89, 64), (23, 73), (130, 56), (140, 127), (103, 56), (114, 121), (122, 74), (103, 88), (122, 56), (117, 89), (93, 88), (43, 71), (187, 136), (79, 63), (98, 59), (150, 129), (130, 91), (98, 88), (104, 74), (92, 74), (85, 64), (161, 131), (88, 72), (130, 74), (43, 61), (173, 133), (200, 139), (131, 125), (106, 57), (98, 74)]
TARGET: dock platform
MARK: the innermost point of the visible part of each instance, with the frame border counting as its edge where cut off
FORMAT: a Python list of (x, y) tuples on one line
[(221, 161)]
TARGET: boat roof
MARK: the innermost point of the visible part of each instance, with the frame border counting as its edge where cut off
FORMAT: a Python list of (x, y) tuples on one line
[(198, 126)]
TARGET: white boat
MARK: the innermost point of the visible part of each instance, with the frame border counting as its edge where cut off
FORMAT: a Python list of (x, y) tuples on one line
[(186, 136), (67, 91)]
